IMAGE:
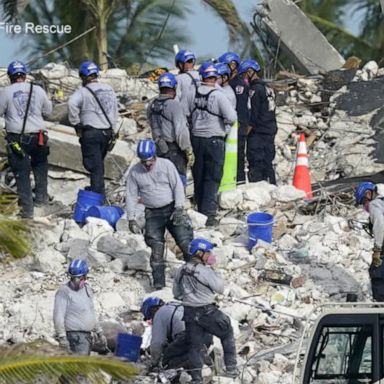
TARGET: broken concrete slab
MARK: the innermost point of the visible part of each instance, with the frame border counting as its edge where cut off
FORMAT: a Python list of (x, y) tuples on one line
[(299, 38), (65, 151)]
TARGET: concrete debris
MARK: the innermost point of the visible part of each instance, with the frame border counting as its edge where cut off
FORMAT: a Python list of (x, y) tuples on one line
[(306, 46), (314, 258)]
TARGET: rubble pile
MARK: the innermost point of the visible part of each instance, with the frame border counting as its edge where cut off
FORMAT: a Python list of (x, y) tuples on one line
[(272, 289)]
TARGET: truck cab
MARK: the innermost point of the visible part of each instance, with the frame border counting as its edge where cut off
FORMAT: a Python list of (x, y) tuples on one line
[(346, 347)]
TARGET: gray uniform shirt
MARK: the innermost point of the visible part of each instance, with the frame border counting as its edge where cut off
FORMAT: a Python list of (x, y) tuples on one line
[(219, 113), (167, 120), (196, 284), (74, 310), (230, 93), (376, 214), (185, 82), (156, 188), (186, 87), (171, 313), (84, 109), (13, 104)]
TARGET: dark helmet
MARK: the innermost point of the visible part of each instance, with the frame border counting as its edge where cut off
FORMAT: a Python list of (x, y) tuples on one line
[(227, 57), (148, 304), (78, 268), (361, 189), (200, 245), (16, 67), (146, 149), (88, 68)]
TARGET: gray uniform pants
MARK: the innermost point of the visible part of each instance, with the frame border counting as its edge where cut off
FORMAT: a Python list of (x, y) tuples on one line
[(80, 342)]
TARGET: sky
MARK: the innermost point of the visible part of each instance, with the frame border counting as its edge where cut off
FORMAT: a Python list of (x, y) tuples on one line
[(207, 31)]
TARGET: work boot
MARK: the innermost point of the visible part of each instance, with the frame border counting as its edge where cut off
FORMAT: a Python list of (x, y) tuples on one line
[(231, 372), (158, 274), (212, 221)]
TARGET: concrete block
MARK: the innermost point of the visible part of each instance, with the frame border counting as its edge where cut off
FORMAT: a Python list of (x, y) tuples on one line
[(230, 199), (111, 301), (65, 152), (299, 38)]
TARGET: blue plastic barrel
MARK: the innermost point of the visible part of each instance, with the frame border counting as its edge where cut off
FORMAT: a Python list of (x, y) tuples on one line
[(259, 227), (110, 213), (128, 346), (85, 200)]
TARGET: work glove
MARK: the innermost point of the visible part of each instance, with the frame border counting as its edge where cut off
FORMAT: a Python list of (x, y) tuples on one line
[(112, 142), (79, 129), (178, 217), (376, 257), (190, 157), (102, 341), (63, 342), (134, 227)]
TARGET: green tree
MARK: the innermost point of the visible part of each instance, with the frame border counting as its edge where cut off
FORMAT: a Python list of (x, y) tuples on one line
[(133, 27)]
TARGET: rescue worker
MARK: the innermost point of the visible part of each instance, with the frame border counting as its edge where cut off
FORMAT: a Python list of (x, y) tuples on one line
[(223, 81), (262, 125), (168, 343), (74, 314), (156, 182), (195, 284), (366, 194), (169, 126), (210, 112), (241, 90), (188, 78), (92, 110), (24, 105)]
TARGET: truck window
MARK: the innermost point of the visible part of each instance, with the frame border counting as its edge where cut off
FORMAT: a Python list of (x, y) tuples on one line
[(343, 356)]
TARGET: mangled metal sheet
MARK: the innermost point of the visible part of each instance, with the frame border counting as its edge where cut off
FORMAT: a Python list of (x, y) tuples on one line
[(299, 38)]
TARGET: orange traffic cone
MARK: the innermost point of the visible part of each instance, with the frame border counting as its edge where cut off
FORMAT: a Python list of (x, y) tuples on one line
[(301, 177)]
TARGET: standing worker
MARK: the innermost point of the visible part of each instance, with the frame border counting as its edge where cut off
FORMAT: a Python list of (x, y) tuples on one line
[(158, 185), (188, 78), (195, 284), (210, 112), (262, 125), (74, 314), (93, 112), (223, 81), (169, 126), (24, 105), (366, 194), (241, 90)]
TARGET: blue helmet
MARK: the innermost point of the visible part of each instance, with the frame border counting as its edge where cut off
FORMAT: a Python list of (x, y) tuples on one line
[(16, 68), (146, 149), (361, 189), (147, 305), (88, 68), (78, 268), (249, 64), (167, 80), (208, 69), (227, 57), (184, 55), (223, 69), (200, 245)]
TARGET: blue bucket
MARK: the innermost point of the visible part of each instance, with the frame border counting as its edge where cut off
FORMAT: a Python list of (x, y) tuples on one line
[(111, 213), (259, 227), (85, 200), (128, 346)]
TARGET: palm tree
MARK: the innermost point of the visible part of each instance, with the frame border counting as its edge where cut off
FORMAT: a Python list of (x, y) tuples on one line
[(135, 29), (42, 362)]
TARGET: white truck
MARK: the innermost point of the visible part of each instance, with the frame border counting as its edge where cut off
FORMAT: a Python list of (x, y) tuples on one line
[(346, 347)]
